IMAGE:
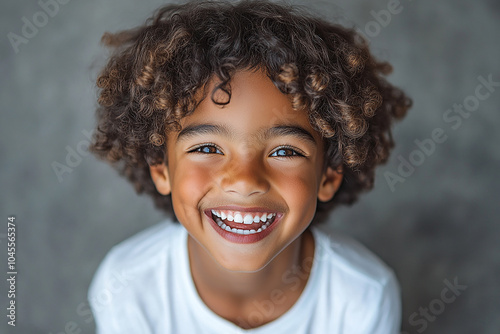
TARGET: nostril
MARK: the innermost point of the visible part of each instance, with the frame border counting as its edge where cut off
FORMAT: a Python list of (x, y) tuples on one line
[(245, 183)]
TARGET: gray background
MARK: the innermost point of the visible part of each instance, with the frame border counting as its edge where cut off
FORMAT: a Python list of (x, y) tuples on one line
[(440, 224)]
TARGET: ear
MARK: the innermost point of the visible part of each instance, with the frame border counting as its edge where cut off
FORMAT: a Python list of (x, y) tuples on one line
[(159, 175), (330, 183)]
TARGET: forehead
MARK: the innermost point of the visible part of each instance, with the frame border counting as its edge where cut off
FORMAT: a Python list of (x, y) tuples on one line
[(255, 104)]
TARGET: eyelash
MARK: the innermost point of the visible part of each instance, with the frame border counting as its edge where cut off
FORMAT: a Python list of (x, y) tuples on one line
[(295, 151), (198, 148)]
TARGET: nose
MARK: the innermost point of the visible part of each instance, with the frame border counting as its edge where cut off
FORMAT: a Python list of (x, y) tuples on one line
[(245, 177)]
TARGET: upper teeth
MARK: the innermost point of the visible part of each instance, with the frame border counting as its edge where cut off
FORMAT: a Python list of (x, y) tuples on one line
[(245, 218)]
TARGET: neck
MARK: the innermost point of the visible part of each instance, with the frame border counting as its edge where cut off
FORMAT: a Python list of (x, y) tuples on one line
[(232, 294)]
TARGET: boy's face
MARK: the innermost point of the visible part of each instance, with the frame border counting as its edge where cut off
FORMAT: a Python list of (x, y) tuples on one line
[(255, 161)]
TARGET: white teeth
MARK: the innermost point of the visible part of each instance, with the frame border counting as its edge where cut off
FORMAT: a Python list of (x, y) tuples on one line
[(248, 219), (238, 218), (241, 231)]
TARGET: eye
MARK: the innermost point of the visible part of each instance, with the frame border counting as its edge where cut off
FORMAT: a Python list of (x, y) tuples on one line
[(206, 149), (285, 151)]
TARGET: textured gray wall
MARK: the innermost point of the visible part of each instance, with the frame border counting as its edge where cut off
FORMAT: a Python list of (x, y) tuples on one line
[(440, 224)]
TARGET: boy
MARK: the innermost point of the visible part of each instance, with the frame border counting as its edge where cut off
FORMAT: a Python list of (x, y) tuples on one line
[(244, 119)]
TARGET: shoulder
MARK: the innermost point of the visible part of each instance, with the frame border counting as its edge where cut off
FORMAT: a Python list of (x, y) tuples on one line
[(144, 245), (359, 282), (351, 258), (135, 257), (118, 287)]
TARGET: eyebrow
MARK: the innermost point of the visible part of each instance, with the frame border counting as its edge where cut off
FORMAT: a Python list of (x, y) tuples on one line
[(276, 131)]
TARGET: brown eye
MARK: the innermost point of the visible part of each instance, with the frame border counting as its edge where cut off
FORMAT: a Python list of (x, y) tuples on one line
[(206, 149), (286, 152)]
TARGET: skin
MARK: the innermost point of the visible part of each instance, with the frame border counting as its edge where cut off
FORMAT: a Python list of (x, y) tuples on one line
[(240, 166)]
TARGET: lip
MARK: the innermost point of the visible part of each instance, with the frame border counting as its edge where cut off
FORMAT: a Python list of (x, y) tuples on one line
[(243, 238), (243, 209)]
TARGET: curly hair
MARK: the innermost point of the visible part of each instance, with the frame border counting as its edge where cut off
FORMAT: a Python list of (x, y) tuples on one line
[(156, 73)]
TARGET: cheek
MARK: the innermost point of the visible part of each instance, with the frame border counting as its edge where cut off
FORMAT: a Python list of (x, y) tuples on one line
[(190, 185), (299, 189)]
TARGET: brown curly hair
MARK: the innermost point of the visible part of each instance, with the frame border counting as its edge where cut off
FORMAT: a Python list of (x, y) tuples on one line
[(157, 71)]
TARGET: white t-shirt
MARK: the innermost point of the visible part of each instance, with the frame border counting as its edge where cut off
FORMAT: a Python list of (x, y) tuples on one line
[(144, 285)]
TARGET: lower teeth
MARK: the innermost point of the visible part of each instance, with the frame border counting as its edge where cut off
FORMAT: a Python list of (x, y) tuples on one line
[(240, 231)]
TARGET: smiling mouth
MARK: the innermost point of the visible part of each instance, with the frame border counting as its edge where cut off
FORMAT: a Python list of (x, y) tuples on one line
[(243, 223)]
